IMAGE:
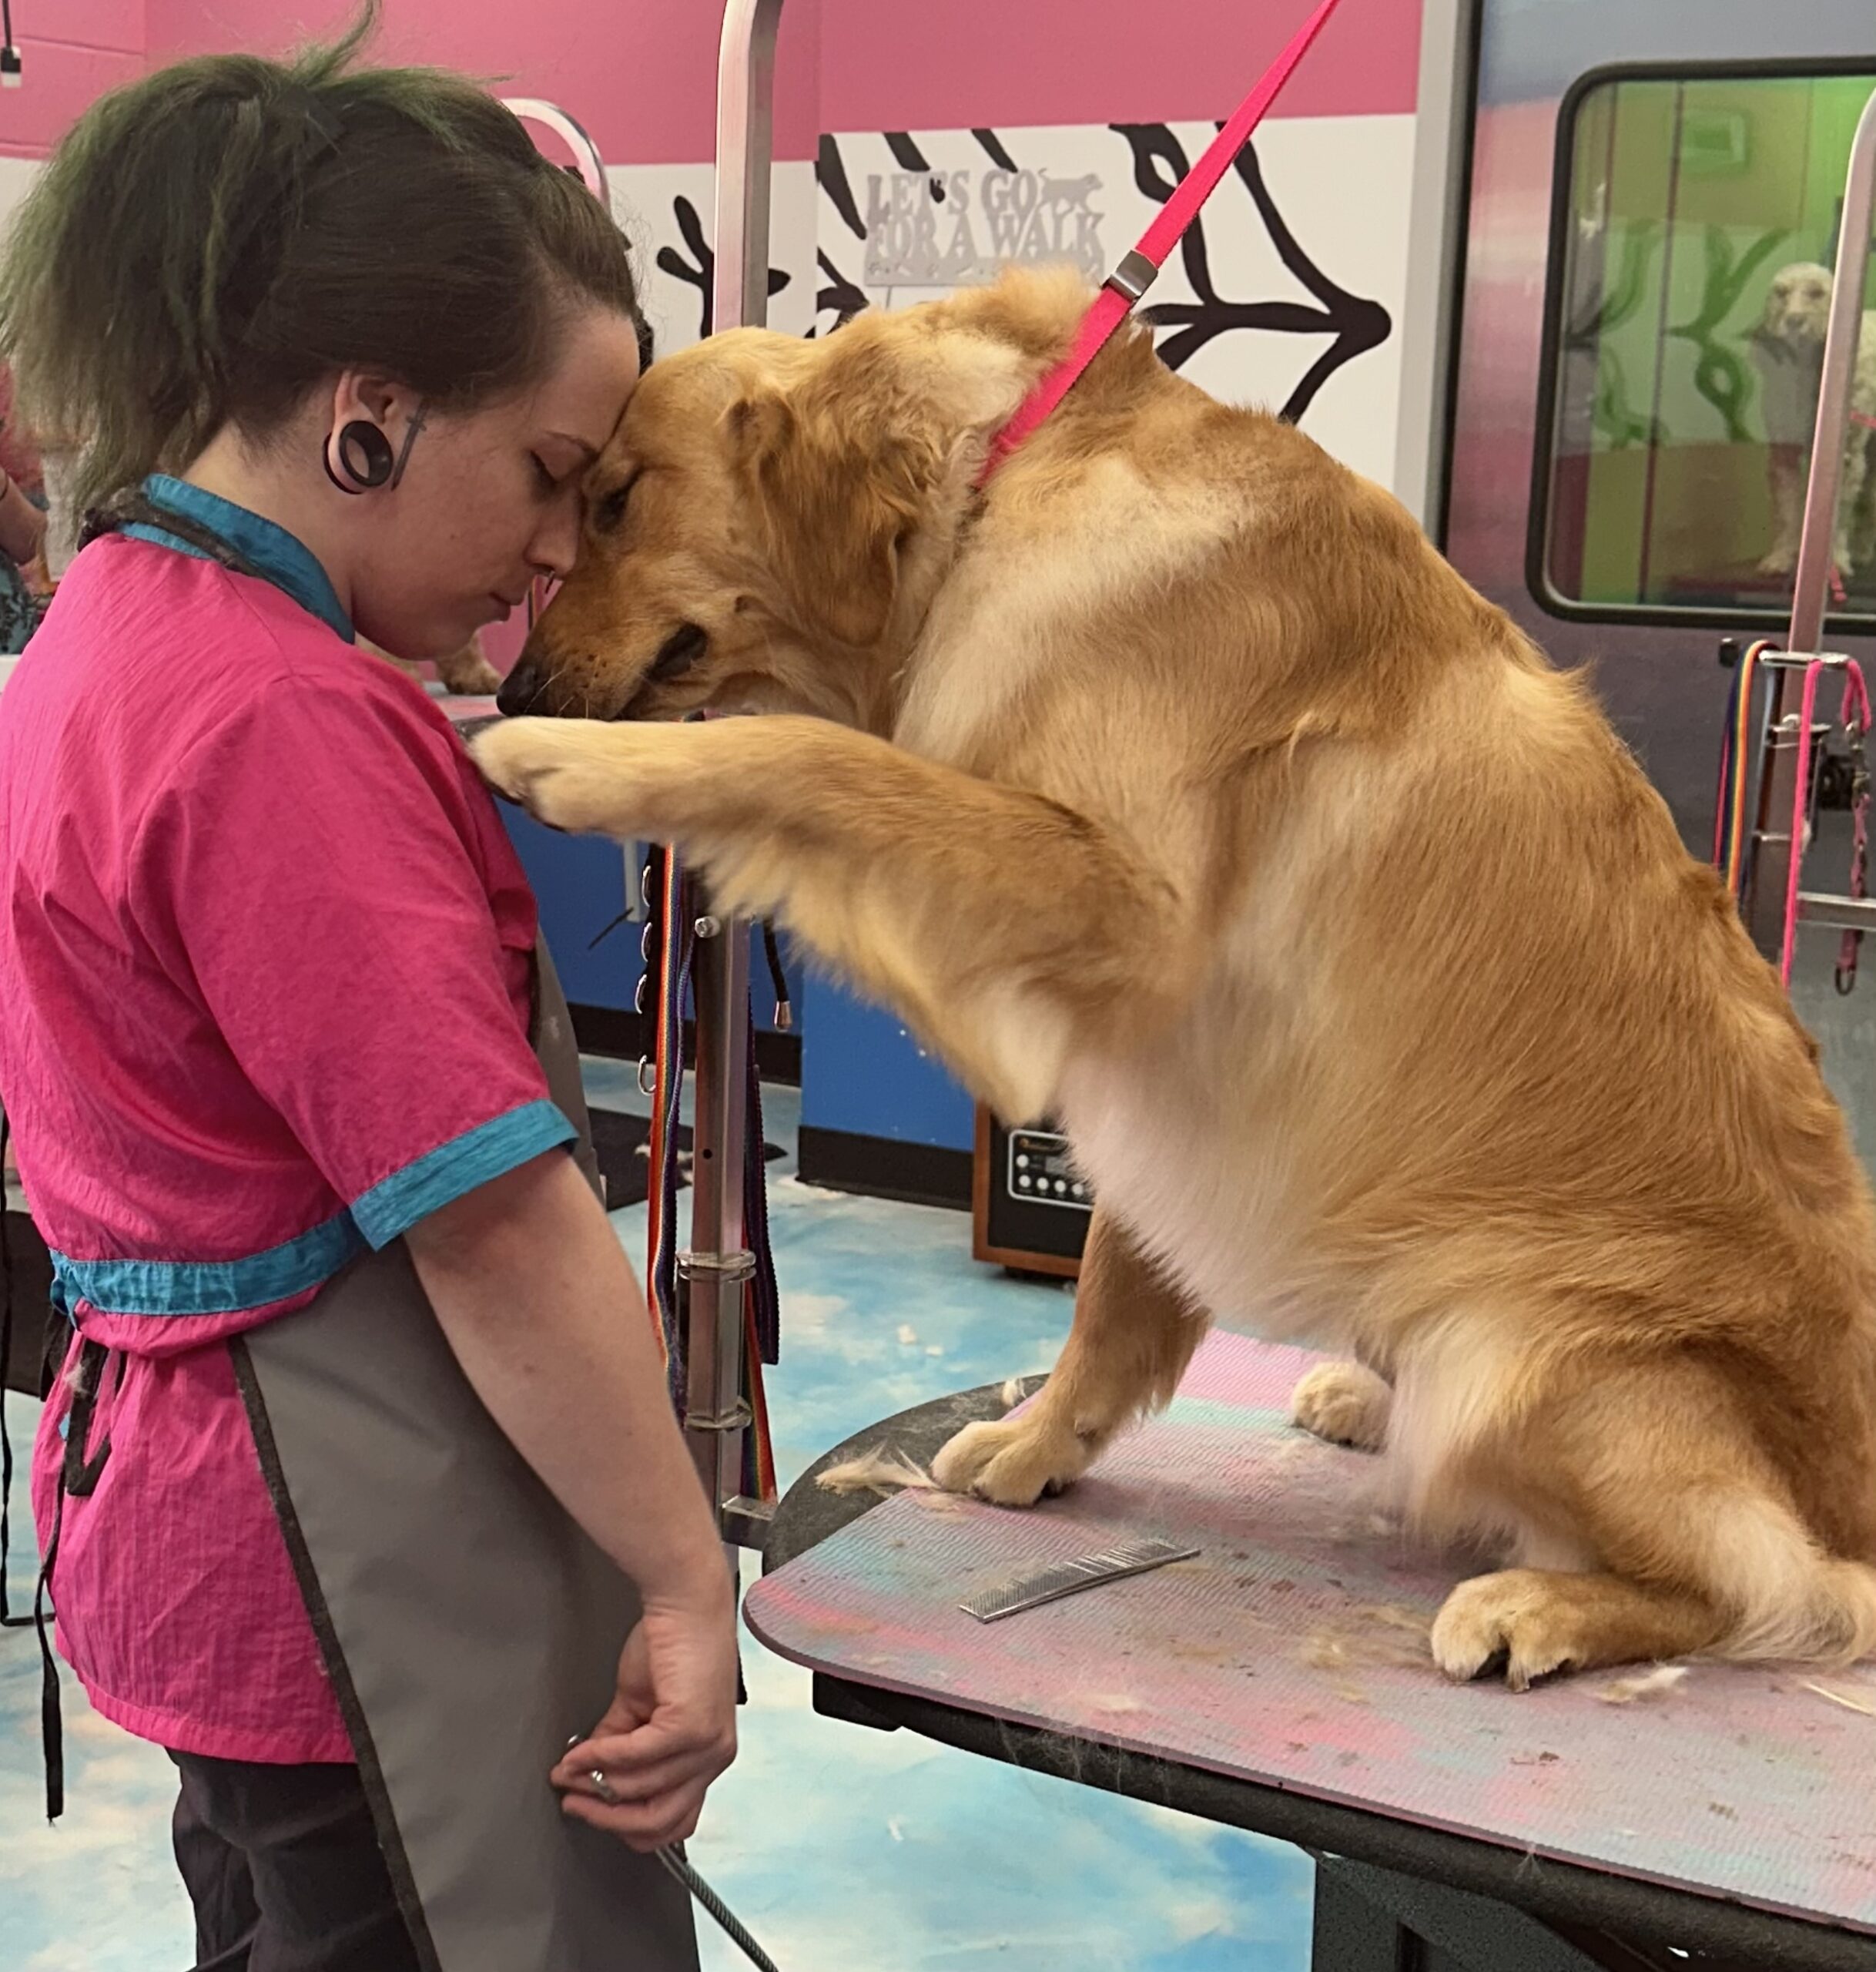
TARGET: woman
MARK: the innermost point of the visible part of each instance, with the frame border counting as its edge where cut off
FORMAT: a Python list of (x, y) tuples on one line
[(344, 346)]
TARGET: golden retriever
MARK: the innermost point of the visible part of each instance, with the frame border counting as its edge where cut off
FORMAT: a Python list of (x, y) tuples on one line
[(1788, 346), (1173, 785)]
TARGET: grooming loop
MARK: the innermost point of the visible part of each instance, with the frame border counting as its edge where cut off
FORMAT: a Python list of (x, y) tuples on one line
[(1750, 745)]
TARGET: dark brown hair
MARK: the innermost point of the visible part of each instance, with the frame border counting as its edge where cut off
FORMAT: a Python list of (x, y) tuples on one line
[(207, 243)]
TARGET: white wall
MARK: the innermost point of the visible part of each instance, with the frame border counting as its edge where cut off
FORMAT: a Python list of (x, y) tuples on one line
[(16, 174)]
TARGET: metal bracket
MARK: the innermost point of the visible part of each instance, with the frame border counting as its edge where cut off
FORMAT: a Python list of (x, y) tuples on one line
[(739, 1265), (1847, 913), (1133, 275), (746, 1522), (738, 1417)]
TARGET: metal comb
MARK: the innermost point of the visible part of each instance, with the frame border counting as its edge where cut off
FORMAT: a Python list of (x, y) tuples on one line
[(1036, 1586)]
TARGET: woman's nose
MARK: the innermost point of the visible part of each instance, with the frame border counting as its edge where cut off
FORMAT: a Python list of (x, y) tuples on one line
[(556, 544)]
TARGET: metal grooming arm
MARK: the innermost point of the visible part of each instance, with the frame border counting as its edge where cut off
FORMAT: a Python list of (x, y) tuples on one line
[(549, 116), (713, 1273), (1778, 782)]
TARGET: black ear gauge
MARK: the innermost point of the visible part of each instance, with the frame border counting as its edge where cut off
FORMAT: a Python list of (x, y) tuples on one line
[(358, 457)]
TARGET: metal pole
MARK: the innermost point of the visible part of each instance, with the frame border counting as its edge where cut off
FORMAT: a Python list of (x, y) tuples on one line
[(592, 167), (1816, 563), (717, 1265)]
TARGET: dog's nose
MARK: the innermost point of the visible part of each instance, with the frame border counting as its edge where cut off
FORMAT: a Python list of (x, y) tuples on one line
[(522, 686)]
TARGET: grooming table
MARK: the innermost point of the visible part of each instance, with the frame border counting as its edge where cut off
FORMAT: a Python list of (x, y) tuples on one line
[(1278, 1682)]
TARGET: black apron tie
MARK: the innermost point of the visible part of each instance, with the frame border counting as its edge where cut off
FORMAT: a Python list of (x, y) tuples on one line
[(79, 1474)]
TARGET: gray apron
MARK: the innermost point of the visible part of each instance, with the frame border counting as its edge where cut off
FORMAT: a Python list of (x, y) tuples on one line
[(468, 1626)]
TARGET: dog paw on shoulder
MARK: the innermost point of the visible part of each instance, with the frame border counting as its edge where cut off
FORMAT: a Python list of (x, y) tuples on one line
[(571, 774)]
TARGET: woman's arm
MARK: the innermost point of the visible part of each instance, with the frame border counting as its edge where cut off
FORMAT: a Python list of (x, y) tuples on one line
[(539, 1305), (22, 525)]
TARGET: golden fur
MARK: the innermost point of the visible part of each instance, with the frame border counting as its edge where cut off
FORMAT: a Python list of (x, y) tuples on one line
[(1177, 787)]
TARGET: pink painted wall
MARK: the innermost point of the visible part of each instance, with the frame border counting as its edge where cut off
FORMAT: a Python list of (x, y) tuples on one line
[(959, 64), (72, 50), (641, 73)]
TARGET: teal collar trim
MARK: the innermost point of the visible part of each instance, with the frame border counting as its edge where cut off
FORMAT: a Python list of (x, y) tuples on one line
[(286, 561)]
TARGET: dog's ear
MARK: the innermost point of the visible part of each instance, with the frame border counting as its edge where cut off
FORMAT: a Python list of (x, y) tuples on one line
[(839, 484), (757, 426)]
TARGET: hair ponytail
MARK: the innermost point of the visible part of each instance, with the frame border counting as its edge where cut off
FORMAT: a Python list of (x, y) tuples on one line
[(210, 242)]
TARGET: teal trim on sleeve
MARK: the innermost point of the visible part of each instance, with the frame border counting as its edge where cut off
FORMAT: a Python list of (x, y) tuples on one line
[(210, 1287), (395, 1204)]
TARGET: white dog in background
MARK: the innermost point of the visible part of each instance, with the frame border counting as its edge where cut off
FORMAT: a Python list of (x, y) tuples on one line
[(1788, 347)]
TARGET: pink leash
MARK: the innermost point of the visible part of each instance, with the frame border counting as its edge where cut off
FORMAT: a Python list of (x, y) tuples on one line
[(1856, 712), (1120, 293)]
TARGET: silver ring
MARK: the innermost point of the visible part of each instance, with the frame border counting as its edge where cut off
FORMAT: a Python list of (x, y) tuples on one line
[(604, 1787)]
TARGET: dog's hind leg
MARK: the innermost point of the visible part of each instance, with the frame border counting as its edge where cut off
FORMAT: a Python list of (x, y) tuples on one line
[(1691, 1540), (1346, 1403), (1132, 1338), (994, 920), (1530, 1622)]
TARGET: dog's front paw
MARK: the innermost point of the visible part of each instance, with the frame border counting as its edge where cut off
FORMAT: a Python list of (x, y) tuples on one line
[(1346, 1403), (573, 774), (1013, 1462), (1521, 1619), (1780, 561)]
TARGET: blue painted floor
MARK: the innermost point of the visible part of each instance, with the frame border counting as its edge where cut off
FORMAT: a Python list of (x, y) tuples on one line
[(844, 1850)]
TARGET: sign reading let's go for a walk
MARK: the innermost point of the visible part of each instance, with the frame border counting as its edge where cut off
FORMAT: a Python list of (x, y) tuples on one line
[(957, 228)]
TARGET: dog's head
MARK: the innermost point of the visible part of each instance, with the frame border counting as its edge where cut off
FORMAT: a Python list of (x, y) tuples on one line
[(1798, 306), (768, 526)]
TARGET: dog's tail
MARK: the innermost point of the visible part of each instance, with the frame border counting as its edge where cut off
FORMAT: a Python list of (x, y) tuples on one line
[(1789, 1600)]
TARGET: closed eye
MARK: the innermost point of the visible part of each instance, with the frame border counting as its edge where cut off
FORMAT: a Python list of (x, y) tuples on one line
[(609, 509), (679, 652)]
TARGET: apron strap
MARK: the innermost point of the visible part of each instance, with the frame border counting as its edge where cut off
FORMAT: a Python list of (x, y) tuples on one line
[(133, 508), (8, 1620), (78, 1478)]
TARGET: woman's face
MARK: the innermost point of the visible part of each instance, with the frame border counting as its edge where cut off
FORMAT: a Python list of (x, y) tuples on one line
[(490, 498)]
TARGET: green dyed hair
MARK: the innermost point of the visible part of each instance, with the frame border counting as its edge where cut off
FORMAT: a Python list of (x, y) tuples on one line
[(210, 243)]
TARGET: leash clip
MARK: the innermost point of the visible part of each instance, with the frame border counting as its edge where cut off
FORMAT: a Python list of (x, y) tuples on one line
[(1133, 275)]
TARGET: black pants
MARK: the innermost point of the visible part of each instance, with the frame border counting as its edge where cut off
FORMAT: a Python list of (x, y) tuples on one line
[(284, 1868)]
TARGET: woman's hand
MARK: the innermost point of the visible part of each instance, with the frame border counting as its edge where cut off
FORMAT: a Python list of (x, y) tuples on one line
[(670, 1731), (536, 1299)]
